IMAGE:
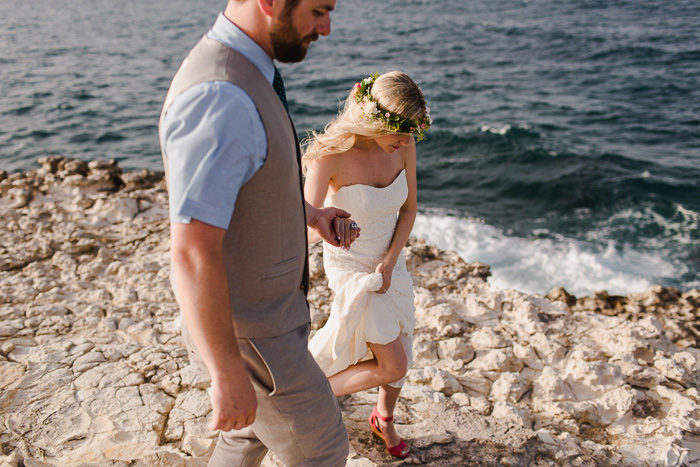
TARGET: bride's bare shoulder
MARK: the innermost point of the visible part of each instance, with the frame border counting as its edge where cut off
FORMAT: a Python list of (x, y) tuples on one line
[(325, 167), (325, 162)]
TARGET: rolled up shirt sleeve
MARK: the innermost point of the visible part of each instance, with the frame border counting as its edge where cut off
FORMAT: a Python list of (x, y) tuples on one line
[(214, 142)]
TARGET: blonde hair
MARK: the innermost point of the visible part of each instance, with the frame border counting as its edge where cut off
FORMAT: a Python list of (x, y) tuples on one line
[(394, 92)]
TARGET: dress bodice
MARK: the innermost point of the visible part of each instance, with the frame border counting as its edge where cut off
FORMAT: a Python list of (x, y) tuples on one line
[(375, 211), (369, 203)]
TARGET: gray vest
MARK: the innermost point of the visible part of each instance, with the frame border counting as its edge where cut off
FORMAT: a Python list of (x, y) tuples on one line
[(265, 246)]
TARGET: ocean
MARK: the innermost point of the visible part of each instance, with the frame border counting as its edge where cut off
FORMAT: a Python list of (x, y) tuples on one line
[(566, 143)]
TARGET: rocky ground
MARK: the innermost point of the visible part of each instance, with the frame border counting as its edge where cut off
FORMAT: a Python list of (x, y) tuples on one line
[(93, 372)]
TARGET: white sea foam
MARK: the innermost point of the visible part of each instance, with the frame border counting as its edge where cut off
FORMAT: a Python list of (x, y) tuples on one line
[(680, 228), (537, 265), (499, 131)]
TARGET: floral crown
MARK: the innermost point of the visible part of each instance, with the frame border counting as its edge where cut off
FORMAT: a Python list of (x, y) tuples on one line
[(394, 122)]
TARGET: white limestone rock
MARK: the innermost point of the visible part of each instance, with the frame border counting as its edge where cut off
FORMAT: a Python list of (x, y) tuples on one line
[(425, 351), (421, 392), (192, 376), (528, 356), (480, 405), (455, 348), (681, 367), (461, 399), (487, 338), (509, 387), (495, 360), (475, 382), (436, 378), (513, 414), (474, 311), (441, 320), (10, 373), (549, 351)]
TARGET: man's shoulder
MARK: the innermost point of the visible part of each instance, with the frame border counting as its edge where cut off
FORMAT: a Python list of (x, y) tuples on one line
[(214, 99), (214, 107), (215, 92)]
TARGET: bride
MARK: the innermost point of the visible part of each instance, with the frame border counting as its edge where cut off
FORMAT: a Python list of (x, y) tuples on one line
[(365, 162)]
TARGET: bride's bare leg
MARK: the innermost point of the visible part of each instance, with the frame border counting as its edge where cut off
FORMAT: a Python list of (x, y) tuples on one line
[(386, 402), (388, 365)]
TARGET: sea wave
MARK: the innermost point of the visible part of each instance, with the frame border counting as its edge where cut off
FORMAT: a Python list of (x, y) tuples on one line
[(538, 263)]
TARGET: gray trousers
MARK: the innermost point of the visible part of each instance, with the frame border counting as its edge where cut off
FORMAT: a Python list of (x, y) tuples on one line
[(298, 418)]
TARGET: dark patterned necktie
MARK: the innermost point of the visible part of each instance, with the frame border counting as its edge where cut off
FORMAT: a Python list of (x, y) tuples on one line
[(278, 84)]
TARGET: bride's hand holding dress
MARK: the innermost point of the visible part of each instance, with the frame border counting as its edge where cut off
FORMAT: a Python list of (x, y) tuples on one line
[(385, 268)]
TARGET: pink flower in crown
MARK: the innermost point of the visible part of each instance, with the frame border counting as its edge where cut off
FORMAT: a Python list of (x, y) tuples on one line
[(387, 115), (422, 125)]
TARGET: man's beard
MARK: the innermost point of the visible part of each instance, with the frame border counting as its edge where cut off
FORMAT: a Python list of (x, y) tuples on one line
[(287, 45)]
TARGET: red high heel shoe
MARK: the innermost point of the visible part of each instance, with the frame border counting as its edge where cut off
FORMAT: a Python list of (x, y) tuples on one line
[(401, 450)]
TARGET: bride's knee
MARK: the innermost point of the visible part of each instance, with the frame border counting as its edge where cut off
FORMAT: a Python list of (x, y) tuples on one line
[(392, 361), (394, 371), (398, 374)]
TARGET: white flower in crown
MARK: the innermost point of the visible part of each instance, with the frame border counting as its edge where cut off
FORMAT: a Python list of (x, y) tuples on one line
[(371, 108)]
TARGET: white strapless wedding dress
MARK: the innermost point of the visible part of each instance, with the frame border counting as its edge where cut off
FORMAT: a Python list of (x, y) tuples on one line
[(358, 314)]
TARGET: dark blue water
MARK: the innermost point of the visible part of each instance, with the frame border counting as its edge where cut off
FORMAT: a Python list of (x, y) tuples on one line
[(565, 149)]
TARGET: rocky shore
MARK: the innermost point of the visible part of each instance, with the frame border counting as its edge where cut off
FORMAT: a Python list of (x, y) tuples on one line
[(93, 371)]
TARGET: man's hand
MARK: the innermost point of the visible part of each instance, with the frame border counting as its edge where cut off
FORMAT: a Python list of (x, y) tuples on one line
[(322, 220), (233, 402)]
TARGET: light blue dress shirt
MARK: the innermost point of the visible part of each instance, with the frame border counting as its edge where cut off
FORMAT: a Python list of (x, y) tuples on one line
[(213, 138)]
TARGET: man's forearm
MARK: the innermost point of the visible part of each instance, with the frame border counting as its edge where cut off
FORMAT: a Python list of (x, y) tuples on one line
[(203, 296)]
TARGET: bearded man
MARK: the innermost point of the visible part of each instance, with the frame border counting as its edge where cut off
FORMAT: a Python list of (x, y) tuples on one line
[(238, 235)]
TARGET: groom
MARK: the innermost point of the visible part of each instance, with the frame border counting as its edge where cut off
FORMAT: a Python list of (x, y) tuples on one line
[(238, 235)]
